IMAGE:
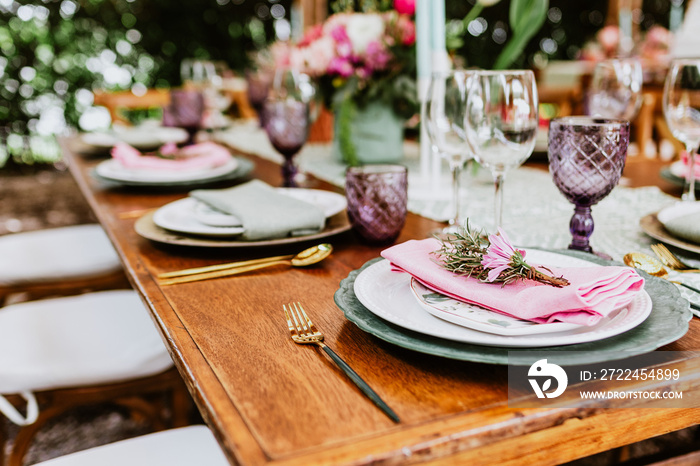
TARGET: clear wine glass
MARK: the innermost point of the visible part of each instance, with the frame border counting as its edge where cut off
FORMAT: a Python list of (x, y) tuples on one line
[(682, 111), (501, 123), (586, 159), (443, 113), (286, 119), (616, 89)]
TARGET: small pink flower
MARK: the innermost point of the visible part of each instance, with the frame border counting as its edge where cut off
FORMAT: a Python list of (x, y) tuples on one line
[(311, 35), (407, 30), (405, 7), (499, 255), (377, 56), (341, 67)]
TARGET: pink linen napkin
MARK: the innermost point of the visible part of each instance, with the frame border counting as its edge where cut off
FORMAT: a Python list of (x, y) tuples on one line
[(593, 292), (686, 162), (197, 156)]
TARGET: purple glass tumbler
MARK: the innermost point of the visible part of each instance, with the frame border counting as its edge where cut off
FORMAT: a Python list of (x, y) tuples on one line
[(377, 197), (586, 159)]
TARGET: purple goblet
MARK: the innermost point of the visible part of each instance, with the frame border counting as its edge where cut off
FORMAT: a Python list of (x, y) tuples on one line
[(287, 127), (377, 196), (586, 158), (185, 111)]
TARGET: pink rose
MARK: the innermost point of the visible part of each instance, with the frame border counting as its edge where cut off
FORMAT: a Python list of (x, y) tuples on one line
[(407, 30), (405, 7)]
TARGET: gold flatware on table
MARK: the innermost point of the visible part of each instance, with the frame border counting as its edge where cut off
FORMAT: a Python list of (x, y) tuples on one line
[(653, 267), (671, 260), (306, 257), (304, 332)]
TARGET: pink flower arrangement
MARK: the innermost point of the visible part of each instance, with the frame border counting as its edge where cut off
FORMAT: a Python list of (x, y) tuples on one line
[(365, 46), (654, 46), (501, 255)]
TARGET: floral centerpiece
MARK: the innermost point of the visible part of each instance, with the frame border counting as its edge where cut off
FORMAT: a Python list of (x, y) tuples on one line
[(365, 66)]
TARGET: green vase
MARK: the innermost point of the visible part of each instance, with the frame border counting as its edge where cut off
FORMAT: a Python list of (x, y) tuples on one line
[(376, 133)]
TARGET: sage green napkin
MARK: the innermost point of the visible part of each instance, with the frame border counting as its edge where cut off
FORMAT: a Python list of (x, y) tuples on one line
[(264, 212), (685, 226)]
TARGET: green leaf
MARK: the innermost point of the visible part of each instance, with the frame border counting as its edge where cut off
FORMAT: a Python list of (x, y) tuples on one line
[(526, 19)]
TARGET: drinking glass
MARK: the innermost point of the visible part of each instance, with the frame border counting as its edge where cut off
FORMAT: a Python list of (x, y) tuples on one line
[(377, 197), (185, 110), (286, 119), (501, 123), (586, 158), (682, 111), (443, 114), (259, 82), (616, 89)]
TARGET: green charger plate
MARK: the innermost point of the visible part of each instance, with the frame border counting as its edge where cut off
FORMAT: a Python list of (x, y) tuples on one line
[(667, 323)]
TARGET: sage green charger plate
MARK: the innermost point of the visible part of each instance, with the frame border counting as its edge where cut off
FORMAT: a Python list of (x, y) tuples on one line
[(667, 323)]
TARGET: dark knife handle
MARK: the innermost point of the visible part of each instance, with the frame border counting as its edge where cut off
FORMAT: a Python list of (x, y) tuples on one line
[(361, 384)]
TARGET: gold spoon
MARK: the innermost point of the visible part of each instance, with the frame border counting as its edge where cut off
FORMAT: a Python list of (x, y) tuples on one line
[(653, 267), (305, 258)]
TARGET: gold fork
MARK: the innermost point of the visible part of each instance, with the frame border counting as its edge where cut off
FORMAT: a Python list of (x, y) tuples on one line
[(670, 259), (304, 332)]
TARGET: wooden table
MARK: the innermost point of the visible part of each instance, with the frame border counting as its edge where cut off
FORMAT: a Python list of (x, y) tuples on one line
[(270, 401)]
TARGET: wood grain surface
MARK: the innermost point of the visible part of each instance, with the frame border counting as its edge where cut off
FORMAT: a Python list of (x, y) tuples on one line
[(270, 401)]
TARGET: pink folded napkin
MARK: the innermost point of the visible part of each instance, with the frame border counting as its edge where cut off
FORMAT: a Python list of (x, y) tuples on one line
[(593, 292), (686, 162), (196, 156)]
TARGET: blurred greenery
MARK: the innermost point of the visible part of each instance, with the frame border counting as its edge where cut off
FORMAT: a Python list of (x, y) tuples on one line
[(53, 53)]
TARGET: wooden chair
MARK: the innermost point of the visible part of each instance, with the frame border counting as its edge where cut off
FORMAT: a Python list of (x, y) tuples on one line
[(82, 350), (58, 261), (188, 446), (115, 102)]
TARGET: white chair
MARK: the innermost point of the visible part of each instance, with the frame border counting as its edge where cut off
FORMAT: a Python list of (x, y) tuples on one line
[(187, 446), (61, 353), (58, 261)]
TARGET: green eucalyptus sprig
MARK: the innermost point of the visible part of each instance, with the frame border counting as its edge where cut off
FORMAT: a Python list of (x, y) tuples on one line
[(489, 259)]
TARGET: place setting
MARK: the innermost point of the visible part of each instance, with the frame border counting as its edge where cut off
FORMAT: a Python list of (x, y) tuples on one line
[(569, 301), (171, 166), (247, 215)]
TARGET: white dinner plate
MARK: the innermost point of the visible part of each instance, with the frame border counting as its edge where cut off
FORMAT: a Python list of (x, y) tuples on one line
[(678, 169), (140, 137), (479, 318), (186, 215), (113, 170), (388, 295)]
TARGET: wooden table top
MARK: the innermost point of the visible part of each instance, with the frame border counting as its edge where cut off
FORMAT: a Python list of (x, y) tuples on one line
[(270, 401)]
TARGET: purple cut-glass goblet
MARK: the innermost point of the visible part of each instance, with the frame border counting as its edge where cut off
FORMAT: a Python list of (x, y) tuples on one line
[(586, 158), (377, 197), (287, 127)]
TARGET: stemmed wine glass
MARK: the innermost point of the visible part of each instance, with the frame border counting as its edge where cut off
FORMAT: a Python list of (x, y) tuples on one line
[(616, 89), (682, 111), (586, 158), (501, 122), (286, 119), (443, 114)]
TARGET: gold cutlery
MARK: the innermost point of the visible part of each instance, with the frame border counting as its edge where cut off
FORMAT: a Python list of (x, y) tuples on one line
[(304, 332), (305, 258), (653, 267), (671, 260)]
